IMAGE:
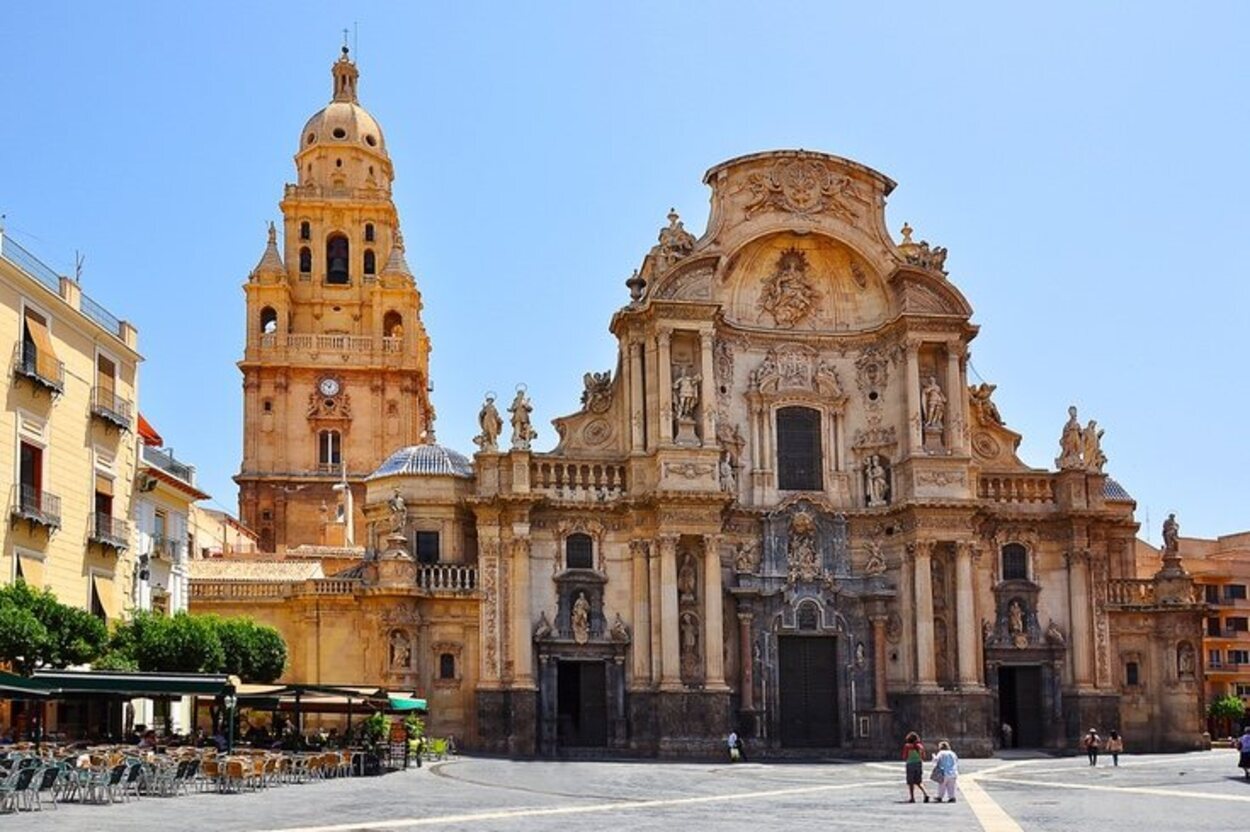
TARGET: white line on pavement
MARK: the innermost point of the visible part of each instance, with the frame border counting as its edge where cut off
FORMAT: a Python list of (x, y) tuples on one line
[(541, 811)]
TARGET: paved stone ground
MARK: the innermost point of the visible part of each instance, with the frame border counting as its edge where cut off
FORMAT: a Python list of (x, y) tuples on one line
[(1198, 792)]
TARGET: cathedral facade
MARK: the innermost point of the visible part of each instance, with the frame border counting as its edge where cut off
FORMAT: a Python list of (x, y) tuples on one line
[(785, 511)]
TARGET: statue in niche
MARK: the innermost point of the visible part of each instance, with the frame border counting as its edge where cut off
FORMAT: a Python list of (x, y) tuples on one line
[(1094, 457), (728, 482), (580, 619), (1185, 660), (983, 405), (1054, 636), (619, 630), (933, 404), (787, 295), (399, 512), (746, 559), (522, 431), (803, 555), (401, 650), (689, 644), (1070, 443), (876, 482), (1171, 535), (1015, 617), (686, 394), (875, 565), (860, 657), (491, 423), (687, 578)]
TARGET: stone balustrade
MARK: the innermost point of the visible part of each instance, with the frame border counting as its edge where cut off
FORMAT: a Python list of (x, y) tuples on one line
[(334, 586), (243, 590), (571, 480), (1131, 592), (447, 577), (1025, 489), (337, 344)]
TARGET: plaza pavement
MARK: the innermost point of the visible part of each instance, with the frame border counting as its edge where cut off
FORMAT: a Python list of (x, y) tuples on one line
[(1198, 792)]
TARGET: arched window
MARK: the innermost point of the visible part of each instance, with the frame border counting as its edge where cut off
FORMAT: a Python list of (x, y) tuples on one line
[(579, 552), (268, 320), (393, 324), (798, 449), (329, 448), (1015, 562), (305, 260), (371, 263), (808, 617), (447, 666), (337, 253), (305, 230), (369, 227)]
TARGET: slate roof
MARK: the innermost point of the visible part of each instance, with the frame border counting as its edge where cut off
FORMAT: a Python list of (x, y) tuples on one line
[(1112, 490), (425, 460)]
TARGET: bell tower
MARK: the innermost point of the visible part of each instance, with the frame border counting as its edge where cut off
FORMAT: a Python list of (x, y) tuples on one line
[(336, 363)]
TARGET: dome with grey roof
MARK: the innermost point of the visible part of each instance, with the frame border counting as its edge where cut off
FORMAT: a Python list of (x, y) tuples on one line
[(424, 461)]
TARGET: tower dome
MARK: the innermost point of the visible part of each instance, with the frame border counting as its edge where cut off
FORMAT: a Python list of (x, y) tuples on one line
[(343, 122)]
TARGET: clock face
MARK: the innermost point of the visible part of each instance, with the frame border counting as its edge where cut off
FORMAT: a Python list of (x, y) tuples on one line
[(329, 386)]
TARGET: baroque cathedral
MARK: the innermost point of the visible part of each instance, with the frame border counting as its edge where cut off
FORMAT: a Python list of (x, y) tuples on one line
[(785, 511)]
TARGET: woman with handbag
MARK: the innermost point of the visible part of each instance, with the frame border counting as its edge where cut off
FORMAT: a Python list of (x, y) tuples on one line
[(945, 771)]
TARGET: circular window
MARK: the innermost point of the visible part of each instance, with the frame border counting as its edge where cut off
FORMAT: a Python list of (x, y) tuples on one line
[(370, 140), (339, 133), (329, 403), (312, 137), (872, 397)]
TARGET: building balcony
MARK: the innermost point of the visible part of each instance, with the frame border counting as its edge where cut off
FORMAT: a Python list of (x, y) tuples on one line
[(449, 578), (43, 371), (338, 347), (36, 506), (166, 548), (110, 532), (110, 407), (165, 461)]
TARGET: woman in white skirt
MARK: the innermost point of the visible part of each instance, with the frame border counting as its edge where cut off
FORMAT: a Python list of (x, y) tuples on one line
[(946, 765)]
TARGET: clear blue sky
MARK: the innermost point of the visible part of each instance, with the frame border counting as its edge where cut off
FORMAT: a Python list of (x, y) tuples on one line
[(1086, 164)]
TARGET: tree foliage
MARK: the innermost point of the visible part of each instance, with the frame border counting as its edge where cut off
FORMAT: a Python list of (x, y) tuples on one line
[(186, 643), (36, 630), (253, 652), (1228, 707)]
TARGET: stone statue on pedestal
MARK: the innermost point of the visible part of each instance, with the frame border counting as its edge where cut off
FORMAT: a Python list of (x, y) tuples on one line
[(522, 431), (491, 424), (933, 404)]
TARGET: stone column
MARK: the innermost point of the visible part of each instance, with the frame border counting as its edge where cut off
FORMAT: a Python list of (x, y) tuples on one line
[(707, 393), (655, 615), (664, 337), (713, 616), (488, 560), (915, 422), (642, 613), (955, 393), (1080, 625), (746, 660), (879, 701), (670, 663), (522, 635), (651, 388), (966, 616), (637, 413), (922, 585)]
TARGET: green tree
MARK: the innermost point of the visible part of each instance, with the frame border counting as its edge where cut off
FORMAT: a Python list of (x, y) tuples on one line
[(181, 643), (38, 631), (253, 652), (1228, 707)]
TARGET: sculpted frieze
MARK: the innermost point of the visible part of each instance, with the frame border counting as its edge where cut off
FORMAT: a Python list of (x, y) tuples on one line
[(804, 187), (691, 284), (796, 368), (789, 295)]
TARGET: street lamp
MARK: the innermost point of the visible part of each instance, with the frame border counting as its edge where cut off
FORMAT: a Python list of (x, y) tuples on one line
[(230, 699)]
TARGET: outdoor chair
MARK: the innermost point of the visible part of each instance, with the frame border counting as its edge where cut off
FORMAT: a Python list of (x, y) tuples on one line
[(48, 781), (210, 774), (165, 781), (133, 780), (345, 764), (105, 785), (189, 776), (16, 788)]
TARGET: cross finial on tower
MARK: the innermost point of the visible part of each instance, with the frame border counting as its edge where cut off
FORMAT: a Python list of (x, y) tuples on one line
[(344, 41)]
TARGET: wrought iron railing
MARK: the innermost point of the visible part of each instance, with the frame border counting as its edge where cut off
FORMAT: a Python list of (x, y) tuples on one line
[(106, 319), (166, 548), (111, 407), (36, 505), (164, 460), (41, 369), (30, 264), (110, 531)]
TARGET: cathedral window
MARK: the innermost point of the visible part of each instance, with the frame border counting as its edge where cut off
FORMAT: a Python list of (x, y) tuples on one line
[(579, 552), (368, 232), (447, 666), (305, 230), (329, 449), (371, 266), (337, 253), (393, 324), (268, 321), (305, 260), (1015, 562), (427, 547), (370, 140), (1132, 674), (798, 449)]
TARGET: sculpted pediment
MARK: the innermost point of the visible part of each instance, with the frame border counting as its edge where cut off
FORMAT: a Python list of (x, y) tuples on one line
[(922, 293)]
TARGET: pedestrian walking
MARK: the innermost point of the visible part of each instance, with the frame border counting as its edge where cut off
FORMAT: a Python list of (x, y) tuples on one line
[(1092, 742), (946, 771), (734, 746), (1115, 746), (913, 757), (1243, 745)]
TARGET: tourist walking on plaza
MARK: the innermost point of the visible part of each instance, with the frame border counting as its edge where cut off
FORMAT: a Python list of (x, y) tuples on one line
[(1115, 746), (1243, 745), (945, 771), (913, 756), (1091, 742)]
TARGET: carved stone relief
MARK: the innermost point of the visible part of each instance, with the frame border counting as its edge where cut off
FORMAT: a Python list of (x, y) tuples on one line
[(788, 295), (597, 395), (804, 187)]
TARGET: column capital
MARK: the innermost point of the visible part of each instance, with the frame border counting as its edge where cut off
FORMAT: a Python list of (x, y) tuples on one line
[(746, 617), (921, 549), (639, 548), (664, 334), (967, 549), (667, 540), (1075, 557)]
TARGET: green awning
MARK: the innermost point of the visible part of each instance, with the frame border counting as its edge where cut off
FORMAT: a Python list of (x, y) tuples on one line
[(129, 685), (403, 704), (13, 686)]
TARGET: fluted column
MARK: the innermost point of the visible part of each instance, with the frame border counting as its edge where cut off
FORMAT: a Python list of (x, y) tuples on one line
[(879, 701), (922, 585), (713, 616), (522, 636), (955, 394), (707, 395), (665, 337), (670, 664), (746, 661), (915, 436), (966, 616), (1079, 616), (642, 613), (655, 615), (636, 412)]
